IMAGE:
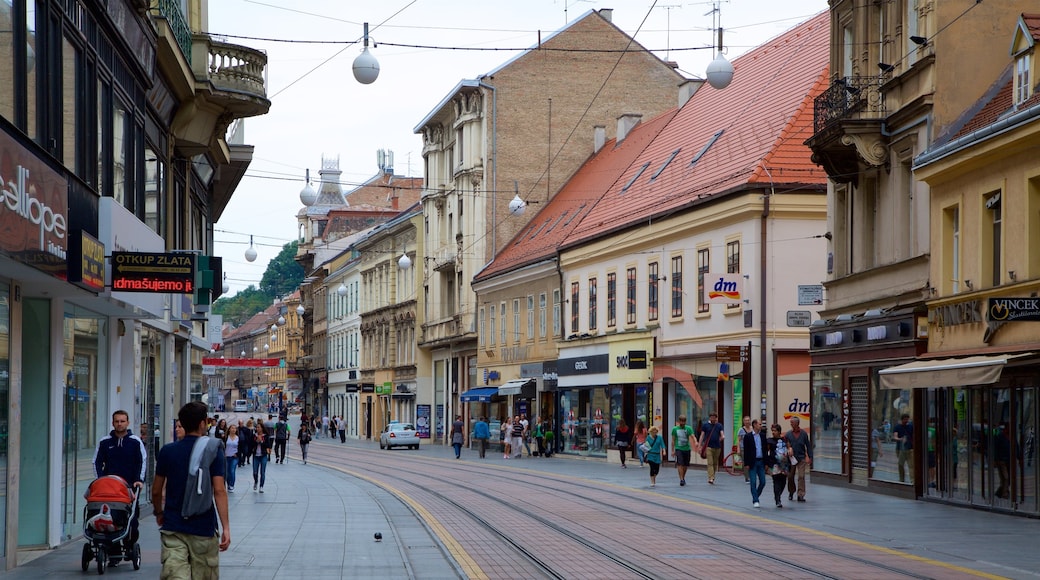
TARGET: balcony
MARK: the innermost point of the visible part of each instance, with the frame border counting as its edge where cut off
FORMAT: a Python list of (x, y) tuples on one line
[(847, 124)]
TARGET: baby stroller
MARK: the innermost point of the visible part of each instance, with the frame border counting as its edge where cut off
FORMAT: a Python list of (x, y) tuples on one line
[(111, 506)]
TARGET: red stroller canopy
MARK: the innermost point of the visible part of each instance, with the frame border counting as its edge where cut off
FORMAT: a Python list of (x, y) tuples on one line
[(110, 488)]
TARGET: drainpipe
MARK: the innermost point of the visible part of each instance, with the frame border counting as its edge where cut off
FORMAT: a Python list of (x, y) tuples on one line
[(763, 272)]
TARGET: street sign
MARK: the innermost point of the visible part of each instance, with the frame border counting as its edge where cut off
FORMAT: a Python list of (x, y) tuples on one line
[(732, 353), (152, 272), (810, 294), (799, 318)]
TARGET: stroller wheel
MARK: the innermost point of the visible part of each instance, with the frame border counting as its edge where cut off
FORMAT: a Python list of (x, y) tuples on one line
[(88, 555), (102, 559), (137, 556)]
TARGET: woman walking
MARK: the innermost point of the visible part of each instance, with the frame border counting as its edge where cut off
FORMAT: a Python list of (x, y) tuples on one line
[(231, 443), (304, 437), (261, 455), (776, 462), (640, 436), (654, 453), (457, 436), (622, 438)]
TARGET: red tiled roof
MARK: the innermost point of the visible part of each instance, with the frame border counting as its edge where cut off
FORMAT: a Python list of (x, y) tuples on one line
[(1032, 22), (749, 134), (550, 227)]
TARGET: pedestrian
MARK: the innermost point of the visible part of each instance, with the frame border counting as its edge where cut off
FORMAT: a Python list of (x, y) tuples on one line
[(753, 450), (713, 435), (622, 438), (281, 437), (191, 545), (458, 437), (220, 431), (517, 440), (304, 437), (246, 440), (903, 433), (550, 438), (341, 426), (124, 454), (325, 425), (178, 430), (527, 433), (481, 432), (639, 433), (505, 429), (682, 435), (776, 462), (539, 437), (655, 451), (231, 444), (875, 447), (799, 453), (261, 456), (745, 428)]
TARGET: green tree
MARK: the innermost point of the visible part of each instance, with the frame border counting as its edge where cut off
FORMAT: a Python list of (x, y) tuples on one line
[(283, 274), (242, 306)]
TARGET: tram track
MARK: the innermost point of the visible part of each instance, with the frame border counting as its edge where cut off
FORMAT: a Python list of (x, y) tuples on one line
[(725, 536)]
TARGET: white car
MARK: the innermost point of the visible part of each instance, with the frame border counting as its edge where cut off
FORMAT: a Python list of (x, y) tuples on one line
[(399, 435)]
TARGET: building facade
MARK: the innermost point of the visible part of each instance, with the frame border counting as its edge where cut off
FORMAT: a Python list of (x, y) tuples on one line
[(121, 124)]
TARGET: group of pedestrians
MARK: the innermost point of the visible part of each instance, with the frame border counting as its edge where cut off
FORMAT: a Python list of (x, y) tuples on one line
[(784, 457)]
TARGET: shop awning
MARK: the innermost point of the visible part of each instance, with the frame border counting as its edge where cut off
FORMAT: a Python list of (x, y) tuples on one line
[(684, 377), (946, 372), (522, 387), (482, 395)]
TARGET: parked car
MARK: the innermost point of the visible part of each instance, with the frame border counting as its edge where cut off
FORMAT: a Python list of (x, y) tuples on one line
[(399, 435)]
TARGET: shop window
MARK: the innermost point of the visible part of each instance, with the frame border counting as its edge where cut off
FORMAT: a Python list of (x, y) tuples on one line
[(887, 407), (824, 424)]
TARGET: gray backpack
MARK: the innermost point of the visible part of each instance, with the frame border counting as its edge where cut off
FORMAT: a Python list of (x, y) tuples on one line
[(198, 492)]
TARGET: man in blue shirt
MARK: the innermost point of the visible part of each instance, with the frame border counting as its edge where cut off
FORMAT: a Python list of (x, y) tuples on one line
[(713, 435), (189, 544), (481, 432), (124, 454)]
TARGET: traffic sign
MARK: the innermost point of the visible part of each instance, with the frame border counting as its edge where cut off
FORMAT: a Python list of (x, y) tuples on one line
[(732, 353)]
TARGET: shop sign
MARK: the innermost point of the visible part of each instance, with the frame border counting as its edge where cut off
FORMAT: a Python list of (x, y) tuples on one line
[(87, 266), (153, 272), (727, 288), (584, 365), (635, 359), (1014, 309), (243, 363), (33, 209)]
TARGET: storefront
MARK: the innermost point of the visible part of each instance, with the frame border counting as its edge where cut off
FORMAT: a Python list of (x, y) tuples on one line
[(854, 419)]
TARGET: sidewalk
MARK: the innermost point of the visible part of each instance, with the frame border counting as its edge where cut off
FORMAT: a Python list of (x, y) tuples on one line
[(297, 528)]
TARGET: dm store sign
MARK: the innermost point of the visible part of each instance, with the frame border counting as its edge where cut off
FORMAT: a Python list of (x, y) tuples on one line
[(33, 209)]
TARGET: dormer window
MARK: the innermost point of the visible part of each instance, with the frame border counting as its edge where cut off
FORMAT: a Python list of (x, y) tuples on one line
[(1023, 84)]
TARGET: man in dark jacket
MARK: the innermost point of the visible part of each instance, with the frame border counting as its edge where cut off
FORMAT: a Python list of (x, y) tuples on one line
[(124, 454)]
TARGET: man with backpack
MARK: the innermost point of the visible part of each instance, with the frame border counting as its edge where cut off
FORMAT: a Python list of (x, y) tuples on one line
[(189, 525), (281, 437)]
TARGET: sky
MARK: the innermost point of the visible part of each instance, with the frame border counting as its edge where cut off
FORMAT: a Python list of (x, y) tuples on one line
[(318, 109)]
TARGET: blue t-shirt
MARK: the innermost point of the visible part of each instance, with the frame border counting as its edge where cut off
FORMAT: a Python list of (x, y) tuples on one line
[(713, 434), (172, 463), (481, 430)]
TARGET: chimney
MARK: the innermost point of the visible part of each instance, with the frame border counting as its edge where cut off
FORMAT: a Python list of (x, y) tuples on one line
[(607, 14), (687, 89), (625, 123), (599, 137)]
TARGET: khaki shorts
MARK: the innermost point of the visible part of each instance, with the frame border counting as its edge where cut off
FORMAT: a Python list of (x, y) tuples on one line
[(189, 557)]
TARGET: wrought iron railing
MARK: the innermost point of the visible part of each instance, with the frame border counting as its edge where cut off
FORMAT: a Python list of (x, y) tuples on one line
[(848, 97), (171, 11)]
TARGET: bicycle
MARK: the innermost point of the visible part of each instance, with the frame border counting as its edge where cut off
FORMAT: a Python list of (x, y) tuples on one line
[(733, 463)]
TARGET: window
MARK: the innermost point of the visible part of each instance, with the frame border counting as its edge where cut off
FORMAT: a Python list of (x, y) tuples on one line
[(733, 262), (630, 316), (611, 300), (557, 315), (516, 320), (652, 291), (541, 315), (574, 307), (703, 260), (592, 304), (502, 322), (530, 316), (483, 326), (491, 321), (991, 239), (677, 286), (1022, 84), (951, 283)]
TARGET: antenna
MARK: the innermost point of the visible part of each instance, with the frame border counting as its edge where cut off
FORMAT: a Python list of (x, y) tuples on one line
[(668, 30)]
